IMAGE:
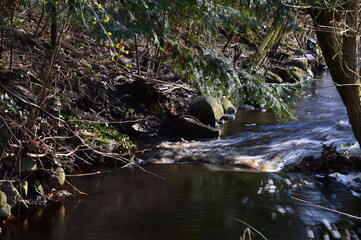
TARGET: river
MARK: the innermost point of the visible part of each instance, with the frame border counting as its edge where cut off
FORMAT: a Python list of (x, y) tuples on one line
[(204, 200)]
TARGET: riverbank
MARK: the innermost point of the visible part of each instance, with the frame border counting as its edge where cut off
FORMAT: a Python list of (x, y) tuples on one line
[(66, 109)]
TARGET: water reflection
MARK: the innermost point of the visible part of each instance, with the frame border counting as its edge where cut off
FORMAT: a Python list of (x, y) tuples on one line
[(193, 202)]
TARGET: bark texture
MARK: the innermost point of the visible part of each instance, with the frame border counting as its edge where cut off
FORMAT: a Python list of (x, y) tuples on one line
[(338, 36)]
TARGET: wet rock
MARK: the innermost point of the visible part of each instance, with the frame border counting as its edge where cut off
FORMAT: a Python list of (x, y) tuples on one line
[(3, 199), (207, 109), (273, 77), (11, 192), (300, 62), (39, 201), (188, 126), (227, 117), (61, 194), (57, 178), (248, 107), (228, 107), (5, 212), (139, 128)]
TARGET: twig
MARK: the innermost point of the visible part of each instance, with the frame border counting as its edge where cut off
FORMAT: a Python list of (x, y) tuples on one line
[(236, 219), (87, 174), (75, 189), (329, 209), (163, 82)]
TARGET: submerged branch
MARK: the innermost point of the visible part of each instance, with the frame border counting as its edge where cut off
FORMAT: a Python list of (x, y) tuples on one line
[(328, 209), (238, 220)]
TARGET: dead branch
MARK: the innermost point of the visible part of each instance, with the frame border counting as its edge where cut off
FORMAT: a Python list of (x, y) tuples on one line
[(328, 209), (238, 220)]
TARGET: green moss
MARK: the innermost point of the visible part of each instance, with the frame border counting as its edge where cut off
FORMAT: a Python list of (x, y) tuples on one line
[(297, 73), (273, 77)]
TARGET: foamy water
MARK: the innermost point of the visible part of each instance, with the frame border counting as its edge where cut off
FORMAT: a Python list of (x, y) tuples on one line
[(256, 140)]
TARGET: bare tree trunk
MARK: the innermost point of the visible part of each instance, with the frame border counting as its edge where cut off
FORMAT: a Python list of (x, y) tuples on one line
[(273, 34), (53, 24), (340, 50)]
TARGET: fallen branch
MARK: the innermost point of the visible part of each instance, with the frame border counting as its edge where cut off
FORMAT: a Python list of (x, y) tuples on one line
[(87, 174), (75, 189), (328, 209)]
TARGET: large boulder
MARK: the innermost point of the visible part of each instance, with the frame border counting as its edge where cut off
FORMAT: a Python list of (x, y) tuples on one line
[(207, 109), (188, 126), (11, 192)]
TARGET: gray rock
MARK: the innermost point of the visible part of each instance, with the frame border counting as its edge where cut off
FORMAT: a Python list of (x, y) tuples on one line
[(207, 109), (3, 199), (57, 178), (188, 126), (5, 212), (11, 192)]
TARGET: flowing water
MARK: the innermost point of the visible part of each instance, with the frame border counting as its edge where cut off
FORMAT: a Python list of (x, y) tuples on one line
[(254, 139), (208, 201)]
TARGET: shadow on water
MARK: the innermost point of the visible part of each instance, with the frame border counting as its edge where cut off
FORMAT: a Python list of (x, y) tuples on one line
[(198, 201), (193, 202)]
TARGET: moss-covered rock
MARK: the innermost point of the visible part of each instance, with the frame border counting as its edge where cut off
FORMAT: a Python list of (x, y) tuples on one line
[(11, 192), (297, 73), (207, 109), (272, 77), (284, 74), (5, 212), (3, 199), (106, 144)]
